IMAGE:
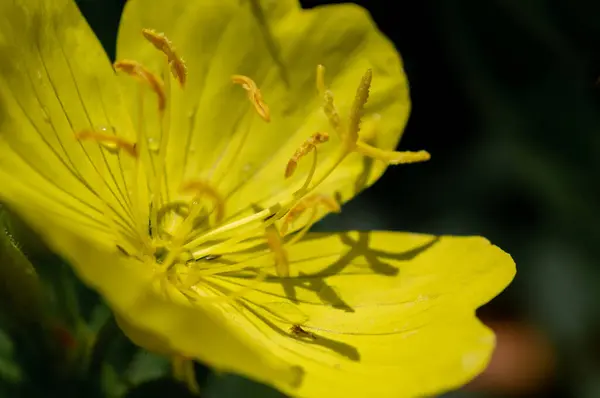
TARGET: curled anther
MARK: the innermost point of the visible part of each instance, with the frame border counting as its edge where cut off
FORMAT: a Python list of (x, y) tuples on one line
[(176, 63), (309, 202), (201, 188), (254, 95), (275, 243), (139, 71), (309, 145), (109, 141)]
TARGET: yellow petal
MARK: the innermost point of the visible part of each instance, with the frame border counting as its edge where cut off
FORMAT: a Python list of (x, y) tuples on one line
[(386, 314), (56, 81), (365, 313), (211, 117)]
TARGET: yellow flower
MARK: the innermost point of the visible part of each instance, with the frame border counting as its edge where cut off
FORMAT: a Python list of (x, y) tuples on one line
[(180, 183)]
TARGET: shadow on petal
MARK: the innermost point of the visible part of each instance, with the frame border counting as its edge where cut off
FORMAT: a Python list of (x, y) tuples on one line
[(338, 347)]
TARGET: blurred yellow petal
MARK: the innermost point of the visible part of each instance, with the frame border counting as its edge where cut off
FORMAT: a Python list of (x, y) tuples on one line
[(216, 135), (55, 82)]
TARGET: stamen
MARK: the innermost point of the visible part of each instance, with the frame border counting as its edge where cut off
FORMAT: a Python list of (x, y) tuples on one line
[(110, 141), (350, 137), (201, 188), (282, 266), (140, 72), (358, 106), (260, 277), (252, 222), (204, 189), (162, 43), (254, 95), (392, 157), (309, 202), (309, 145)]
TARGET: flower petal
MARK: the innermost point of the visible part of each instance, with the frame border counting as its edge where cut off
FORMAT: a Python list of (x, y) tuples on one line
[(211, 117), (379, 313), (56, 81)]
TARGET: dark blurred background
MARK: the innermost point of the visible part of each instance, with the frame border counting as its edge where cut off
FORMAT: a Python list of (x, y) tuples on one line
[(505, 99)]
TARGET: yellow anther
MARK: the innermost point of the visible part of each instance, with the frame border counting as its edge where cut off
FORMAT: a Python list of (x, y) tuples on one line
[(391, 157), (254, 95), (309, 202), (275, 243), (140, 72), (351, 135), (308, 146), (162, 43), (109, 141), (201, 188), (358, 106)]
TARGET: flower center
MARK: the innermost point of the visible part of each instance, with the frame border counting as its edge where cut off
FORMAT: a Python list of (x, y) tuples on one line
[(181, 238)]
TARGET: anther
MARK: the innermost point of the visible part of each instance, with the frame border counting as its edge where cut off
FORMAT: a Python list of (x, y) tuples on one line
[(350, 136), (140, 72), (309, 202), (392, 157), (201, 188), (358, 106), (274, 241), (109, 141), (254, 95), (309, 145), (162, 43)]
